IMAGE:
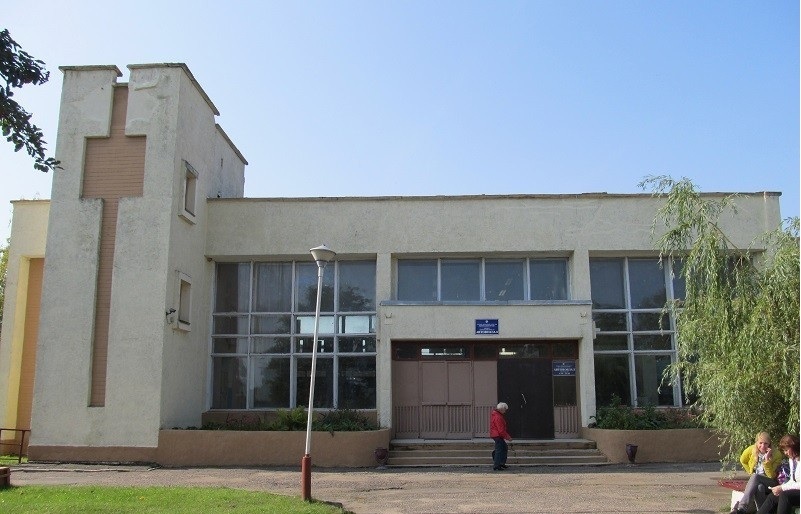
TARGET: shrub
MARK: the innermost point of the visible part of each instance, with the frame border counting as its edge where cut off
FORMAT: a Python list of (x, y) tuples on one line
[(288, 420), (343, 420), (624, 417)]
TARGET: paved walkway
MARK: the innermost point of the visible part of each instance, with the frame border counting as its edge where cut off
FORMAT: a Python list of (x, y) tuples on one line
[(643, 488)]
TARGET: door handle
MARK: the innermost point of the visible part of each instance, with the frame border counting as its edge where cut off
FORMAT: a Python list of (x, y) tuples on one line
[(524, 398)]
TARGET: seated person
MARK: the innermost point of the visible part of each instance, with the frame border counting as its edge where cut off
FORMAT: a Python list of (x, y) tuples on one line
[(762, 464), (785, 496)]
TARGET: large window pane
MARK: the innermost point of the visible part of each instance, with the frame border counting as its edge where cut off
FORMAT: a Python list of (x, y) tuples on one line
[(461, 280), (307, 287), (417, 280), (647, 284), (360, 344), (271, 382), (606, 281), (679, 284), (230, 324), (648, 371), (503, 280), (356, 286), (357, 324), (548, 279), (611, 342), (357, 383), (323, 383), (271, 323), (611, 378), (649, 321), (610, 321), (305, 325), (229, 379), (272, 287), (652, 342), (233, 287), (229, 345), (271, 344)]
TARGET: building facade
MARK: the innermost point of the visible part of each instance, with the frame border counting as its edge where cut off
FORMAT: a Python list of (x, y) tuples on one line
[(149, 294)]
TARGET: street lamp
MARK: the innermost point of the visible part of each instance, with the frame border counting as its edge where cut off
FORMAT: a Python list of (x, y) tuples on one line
[(321, 254)]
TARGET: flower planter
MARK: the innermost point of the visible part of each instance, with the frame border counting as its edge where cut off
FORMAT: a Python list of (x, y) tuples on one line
[(671, 445), (268, 448)]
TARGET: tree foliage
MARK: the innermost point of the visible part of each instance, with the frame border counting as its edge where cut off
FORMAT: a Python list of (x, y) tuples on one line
[(18, 68), (737, 330)]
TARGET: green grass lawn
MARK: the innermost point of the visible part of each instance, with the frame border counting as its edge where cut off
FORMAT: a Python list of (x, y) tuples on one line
[(96, 499)]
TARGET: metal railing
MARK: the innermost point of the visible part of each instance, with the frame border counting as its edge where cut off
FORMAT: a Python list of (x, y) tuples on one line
[(18, 443)]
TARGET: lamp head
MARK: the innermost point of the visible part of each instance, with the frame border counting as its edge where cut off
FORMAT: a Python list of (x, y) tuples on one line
[(322, 254)]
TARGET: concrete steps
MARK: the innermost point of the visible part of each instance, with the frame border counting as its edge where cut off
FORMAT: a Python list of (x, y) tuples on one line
[(477, 452)]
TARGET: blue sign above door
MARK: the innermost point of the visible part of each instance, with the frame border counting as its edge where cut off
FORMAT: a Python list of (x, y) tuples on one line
[(486, 326), (564, 368)]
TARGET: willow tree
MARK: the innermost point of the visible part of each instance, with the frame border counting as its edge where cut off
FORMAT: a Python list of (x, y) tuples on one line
[(737, 329)]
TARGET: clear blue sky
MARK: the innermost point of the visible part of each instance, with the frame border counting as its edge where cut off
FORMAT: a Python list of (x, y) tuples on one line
[(411, 97)]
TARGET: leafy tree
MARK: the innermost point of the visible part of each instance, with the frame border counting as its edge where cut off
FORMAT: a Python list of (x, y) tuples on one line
[(738, 326), (18, 68), (3, 268)]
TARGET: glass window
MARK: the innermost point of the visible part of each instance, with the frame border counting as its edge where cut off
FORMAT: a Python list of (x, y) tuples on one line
[(610, 321), (612, 378), (272, 286), (648, 370), (306, 288), (647, 284), (652, 342), (357, 324), (233, 287), (606, 342), (649, 321), (548, 279), (679, 284), (323, 383), (356, 286), (271, 382), (271, 323), (639, 331), (504, 280), (461, 280), (229, 383), (361, 344), (357, 388), (444, 351), (262, 334), (324, 345), (606, 281), (305, 325), (230, 325), (271, 345), (230, 345), (417, 280)]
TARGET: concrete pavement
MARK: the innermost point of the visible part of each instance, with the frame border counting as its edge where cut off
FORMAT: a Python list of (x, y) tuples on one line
[(643, 488)]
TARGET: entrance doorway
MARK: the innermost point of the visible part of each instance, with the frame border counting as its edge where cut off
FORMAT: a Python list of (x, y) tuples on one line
[(447, 390), (526, 386)]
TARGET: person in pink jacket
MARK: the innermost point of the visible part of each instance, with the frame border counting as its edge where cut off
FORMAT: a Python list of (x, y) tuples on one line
[(785, 496), (499, 434)]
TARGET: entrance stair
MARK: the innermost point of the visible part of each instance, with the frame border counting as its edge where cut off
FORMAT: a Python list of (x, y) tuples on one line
[(478, 452)]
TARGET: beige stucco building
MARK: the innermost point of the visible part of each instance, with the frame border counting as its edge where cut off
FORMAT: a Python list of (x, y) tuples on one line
[(148, 293)]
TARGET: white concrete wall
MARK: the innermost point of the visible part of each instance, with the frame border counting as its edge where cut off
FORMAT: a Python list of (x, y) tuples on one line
[(155, 375), (28, 234)]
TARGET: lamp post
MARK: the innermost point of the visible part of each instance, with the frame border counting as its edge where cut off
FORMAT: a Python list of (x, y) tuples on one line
[(321, 254)]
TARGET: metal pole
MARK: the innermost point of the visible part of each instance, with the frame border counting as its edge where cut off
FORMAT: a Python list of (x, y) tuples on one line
[(305, 463)]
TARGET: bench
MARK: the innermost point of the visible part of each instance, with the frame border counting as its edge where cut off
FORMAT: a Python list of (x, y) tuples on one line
[(737, 485)]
